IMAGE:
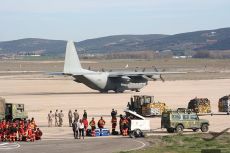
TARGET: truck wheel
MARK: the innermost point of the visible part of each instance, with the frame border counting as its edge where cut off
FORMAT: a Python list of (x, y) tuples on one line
[(136, 133), (170, 130), (204, 128), (131, 134), (179, 129)]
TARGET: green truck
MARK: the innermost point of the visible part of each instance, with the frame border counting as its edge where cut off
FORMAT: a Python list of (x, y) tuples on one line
[(11, 111), (177, 121)]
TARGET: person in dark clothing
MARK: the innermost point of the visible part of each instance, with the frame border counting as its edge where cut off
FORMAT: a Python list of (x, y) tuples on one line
[(85, 114), (113, 113), (75, 129), (70, 116)]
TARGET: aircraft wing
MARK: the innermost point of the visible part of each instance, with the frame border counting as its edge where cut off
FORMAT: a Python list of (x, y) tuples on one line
[(120, 74), (151, 76)]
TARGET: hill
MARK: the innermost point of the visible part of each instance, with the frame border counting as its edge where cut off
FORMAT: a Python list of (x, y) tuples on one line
[(33, 45), (218, 39)]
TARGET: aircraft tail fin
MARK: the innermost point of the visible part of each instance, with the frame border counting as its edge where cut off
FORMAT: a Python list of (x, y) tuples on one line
[(72, 63)]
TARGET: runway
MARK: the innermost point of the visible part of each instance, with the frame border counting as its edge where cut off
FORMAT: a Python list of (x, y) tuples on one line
[(88, 145), (40, 96)]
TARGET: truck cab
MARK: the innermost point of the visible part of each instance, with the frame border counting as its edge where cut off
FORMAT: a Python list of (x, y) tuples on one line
[(15, 111), (12, 111)]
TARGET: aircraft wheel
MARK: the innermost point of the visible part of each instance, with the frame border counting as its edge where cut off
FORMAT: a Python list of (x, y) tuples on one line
[(118, 90), (104, 91)]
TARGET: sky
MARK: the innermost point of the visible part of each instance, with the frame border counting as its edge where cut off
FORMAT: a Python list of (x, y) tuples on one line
[(85, 19)]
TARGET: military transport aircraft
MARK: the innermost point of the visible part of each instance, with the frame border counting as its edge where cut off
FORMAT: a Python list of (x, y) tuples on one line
[(105, 81)]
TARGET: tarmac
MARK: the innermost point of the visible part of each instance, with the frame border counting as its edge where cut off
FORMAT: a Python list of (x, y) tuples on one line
[(87, 145), (40, 95)]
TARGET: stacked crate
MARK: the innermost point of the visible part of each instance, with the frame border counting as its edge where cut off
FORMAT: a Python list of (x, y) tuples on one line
[(155, 108), (224, 104), (200, 105), (146, 106)]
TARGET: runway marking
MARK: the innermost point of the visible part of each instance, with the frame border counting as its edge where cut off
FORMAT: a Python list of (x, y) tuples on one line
[(137, 148), (7, 146), (57, 138), (51, 139)]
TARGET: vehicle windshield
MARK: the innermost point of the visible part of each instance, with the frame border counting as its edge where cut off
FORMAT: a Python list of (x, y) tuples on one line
[(176, 116), (194, 117)]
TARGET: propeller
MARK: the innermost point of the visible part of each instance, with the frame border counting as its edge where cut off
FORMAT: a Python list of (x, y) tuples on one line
[(162, 79), (155, 68), (143, 70)]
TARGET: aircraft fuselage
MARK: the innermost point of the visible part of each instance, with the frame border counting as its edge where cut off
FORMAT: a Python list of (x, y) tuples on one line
[(101, 82)]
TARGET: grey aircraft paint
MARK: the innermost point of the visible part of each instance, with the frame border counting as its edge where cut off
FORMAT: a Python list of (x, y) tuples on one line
[(105, 81)]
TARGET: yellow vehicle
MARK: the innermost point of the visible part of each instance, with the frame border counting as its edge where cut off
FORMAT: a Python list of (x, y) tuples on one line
[(146, 106), (200, 105)]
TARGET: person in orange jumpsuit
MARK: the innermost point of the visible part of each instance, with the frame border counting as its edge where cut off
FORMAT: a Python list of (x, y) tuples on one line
[(85, 122), (38, 134), (114, 124), (33, 124), (12, 132), (30, 134), (125, 126), (101, 123), (4, 135), (121, 123), (92, 123), (21, 133), (1, 131), (3, 124)]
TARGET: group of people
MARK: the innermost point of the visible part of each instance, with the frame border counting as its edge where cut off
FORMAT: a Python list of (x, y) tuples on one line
[(19, 130), (58, 118), (124, 123), (80, 127), (80, 124), (75, 116)]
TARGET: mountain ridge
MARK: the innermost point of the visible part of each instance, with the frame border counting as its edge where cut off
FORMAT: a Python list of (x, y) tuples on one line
[(217, 39)]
